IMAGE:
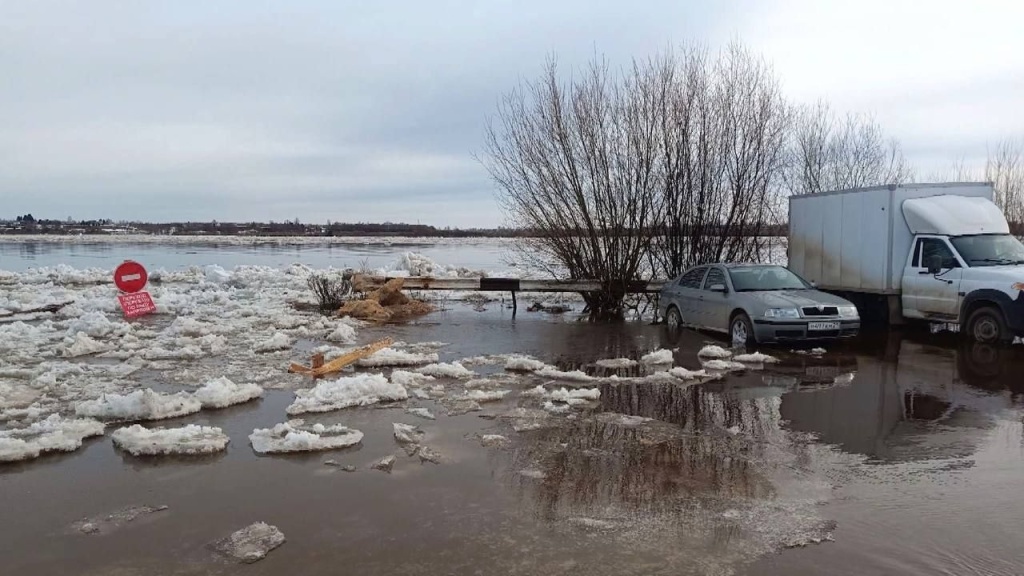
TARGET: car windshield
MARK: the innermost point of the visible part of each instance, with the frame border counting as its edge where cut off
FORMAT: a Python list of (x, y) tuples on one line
[(989, 249), (750, 278)]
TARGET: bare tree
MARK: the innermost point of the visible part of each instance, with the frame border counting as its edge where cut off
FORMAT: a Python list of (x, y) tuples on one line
[(724, 146), (1005, 170), (578, 165), (830, 153)]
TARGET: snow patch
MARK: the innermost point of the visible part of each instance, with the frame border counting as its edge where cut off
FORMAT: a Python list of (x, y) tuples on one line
[(191, 439)]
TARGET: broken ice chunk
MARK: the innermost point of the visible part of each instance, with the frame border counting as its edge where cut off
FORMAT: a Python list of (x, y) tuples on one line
[(406, 433), (252, 543)]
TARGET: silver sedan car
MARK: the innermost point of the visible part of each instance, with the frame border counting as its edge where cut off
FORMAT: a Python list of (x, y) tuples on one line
[(755, 303)]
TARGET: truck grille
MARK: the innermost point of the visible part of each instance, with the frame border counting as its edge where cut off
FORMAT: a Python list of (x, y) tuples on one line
[(823, 311)]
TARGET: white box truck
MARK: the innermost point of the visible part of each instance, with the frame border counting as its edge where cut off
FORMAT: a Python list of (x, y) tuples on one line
[(934, 252)]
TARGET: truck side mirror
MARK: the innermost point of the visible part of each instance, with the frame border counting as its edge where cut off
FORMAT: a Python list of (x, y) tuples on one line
[(933, 263)]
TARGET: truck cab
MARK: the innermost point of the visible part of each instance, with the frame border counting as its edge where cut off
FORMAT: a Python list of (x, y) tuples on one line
[(964, 267)]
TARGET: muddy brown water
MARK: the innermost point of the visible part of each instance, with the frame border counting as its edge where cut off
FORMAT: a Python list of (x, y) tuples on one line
[(912, 465)]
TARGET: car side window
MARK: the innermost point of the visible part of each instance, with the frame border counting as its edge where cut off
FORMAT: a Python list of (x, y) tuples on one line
[(715, 276), (692, 278), (928, 247)]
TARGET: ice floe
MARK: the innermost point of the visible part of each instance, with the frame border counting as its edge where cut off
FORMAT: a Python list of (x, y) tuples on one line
[(392, 357), (756, 358), (345, 392), (446, 370), (222, 392), (295, 436), (53, 434), (187, 440), (713, 351), (660, 356), (139, 405), (616, 363), (724, 365), (279, 341), (522, 363)]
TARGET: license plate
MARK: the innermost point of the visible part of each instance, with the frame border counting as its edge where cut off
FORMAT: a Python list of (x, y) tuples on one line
[(823, 325)]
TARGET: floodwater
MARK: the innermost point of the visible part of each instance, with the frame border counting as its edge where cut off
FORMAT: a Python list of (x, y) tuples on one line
[(912, 465), (893, 454), (371, 253)]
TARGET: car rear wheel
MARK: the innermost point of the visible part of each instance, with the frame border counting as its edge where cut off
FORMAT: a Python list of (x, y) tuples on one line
[(741, 330), (986, 325), (673, 319)]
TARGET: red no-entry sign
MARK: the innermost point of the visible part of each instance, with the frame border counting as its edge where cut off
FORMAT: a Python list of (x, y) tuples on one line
[(130, 277)]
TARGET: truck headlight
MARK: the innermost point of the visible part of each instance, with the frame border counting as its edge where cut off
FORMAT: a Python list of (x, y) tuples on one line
[(848, 312), (782, 313)]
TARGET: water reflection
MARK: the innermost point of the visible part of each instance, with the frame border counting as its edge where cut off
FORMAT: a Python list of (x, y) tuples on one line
[(913, 399)]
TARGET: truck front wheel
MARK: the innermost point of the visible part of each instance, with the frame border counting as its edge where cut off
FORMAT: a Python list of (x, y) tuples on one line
[(986, 324)]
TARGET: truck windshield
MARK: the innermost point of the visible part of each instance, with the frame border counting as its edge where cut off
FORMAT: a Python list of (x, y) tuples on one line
[(990, 249), (751, 278)]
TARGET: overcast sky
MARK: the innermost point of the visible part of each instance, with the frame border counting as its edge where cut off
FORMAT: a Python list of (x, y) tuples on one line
[(372, 111)]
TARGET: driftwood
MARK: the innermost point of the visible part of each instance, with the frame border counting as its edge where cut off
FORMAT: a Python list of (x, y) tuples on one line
[(51, 308), (340, 362)]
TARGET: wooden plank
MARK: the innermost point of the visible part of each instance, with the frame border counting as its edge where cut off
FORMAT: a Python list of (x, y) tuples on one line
[(341, 361)]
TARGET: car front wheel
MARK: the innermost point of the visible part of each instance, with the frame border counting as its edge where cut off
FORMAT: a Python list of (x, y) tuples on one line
[(741, 330)]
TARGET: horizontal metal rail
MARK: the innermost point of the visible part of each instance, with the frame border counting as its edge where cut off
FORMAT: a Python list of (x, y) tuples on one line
[(517, 285)]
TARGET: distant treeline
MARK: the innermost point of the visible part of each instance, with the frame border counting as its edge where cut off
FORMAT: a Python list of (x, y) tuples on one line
[(293, 228)]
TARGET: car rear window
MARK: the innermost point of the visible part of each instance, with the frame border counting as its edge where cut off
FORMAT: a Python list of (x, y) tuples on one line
[(692, 278)]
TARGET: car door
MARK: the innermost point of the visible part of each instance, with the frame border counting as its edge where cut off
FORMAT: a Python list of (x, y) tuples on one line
[(713, 305), (686, 293), (928, 295)]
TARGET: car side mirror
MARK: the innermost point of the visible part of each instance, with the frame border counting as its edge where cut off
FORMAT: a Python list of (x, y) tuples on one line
[(718, 288), (933, 263)]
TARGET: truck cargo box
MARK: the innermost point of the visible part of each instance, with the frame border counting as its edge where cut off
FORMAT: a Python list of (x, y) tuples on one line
[(858, 240)]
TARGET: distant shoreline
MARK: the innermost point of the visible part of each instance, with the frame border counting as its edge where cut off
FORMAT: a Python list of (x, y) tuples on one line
[(209, 240)]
